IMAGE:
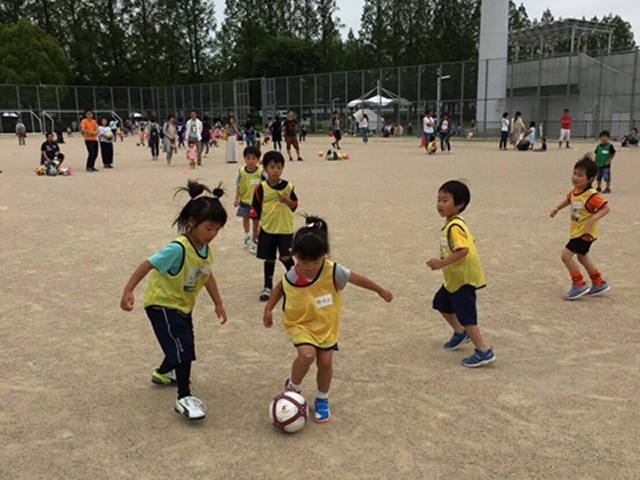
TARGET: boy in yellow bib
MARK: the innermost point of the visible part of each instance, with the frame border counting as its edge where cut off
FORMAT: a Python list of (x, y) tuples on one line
[(274, 202), (463, 275), (178, 273), (587, 208), (312, 292), (249, 177)]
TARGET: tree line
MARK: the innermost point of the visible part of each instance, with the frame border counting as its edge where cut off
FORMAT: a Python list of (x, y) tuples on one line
[(163, 42)]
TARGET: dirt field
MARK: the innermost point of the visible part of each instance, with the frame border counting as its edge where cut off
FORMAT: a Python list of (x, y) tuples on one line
[(561, 402)]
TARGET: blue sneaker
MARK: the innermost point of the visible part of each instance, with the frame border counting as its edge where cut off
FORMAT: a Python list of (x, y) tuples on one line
[(479, 359), (576, 292), (456, 340), (322, 412), (596, 290)]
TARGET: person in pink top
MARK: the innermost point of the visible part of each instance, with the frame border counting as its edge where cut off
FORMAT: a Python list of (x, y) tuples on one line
[(565, 129), (192, 154)]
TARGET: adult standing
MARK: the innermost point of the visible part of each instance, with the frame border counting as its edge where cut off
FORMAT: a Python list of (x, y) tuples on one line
[(364, 128), (428, 129), (291, 135), (231, 130), (106, 138), (153, 134), (21, 133), (89, 130), (337, 131), (276, 133), (169, 138), (250, 131), (194, 133), (517, 128), (59, 126), (565, 128)]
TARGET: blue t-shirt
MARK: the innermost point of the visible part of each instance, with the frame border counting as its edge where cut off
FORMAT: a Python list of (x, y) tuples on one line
[(171, 257)]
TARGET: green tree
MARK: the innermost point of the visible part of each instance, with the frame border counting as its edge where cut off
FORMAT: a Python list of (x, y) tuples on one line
[(374, 33), (28, 55)]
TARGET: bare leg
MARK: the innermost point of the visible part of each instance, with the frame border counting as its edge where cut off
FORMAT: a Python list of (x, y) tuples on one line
[(586, 262), (324, 361), (245, 225), (304, 360), (569, 262), (453, 321), (476, 337)]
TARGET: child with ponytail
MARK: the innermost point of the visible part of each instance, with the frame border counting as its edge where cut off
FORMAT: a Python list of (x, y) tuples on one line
[(178, 273), (313, 308)]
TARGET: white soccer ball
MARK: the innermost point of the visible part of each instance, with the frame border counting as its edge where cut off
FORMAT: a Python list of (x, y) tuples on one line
[(288, 412)]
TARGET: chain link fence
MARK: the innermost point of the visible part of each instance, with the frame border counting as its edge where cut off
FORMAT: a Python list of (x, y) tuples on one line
[(600, 91)]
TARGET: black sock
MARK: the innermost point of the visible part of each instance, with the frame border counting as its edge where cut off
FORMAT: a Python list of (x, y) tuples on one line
[(183, 376), (165, 367), (288, 264), (269, 269)]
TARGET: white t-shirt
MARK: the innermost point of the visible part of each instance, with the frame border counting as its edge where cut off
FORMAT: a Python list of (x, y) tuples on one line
[(427, 124), (105, 134), (505, 125)]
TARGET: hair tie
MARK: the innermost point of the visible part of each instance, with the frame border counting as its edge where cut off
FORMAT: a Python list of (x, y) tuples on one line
[(316, 224)]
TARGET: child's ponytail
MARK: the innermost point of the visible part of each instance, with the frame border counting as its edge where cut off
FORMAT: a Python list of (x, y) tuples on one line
[(311, 242), (204, 205)]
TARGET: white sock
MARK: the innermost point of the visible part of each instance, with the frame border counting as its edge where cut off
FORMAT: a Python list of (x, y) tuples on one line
[(295, 387), (322, 395)]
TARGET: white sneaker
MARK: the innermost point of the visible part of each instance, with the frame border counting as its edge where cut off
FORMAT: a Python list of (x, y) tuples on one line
[(247, 242), (191, 408), (254, 249)]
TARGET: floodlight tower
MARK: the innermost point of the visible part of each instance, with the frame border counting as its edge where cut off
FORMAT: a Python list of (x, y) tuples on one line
[(492, 63)]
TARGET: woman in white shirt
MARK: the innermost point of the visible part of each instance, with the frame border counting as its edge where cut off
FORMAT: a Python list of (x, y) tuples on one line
[(106, 138), (428, 124), (364, 128)]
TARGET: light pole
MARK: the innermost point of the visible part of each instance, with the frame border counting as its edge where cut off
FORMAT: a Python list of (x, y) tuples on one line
[(301, 98), (438, 92)]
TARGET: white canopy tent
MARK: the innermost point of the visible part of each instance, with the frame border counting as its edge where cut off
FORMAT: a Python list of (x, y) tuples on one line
[(378, 101)]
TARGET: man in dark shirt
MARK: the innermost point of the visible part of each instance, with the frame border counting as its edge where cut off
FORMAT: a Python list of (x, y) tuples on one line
[(249, 132), (290, 135), (49, 151)]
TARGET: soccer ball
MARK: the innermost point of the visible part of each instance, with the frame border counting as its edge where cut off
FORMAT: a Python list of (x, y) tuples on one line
[(288, 412), (320, 154), (345, 156), (432, 147), (40, 171), (108, 135)]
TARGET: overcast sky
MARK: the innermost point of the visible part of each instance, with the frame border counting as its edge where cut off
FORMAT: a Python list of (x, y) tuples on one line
[(350, 11)]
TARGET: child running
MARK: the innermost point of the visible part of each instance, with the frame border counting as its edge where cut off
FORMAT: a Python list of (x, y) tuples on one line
[(313, 309), (179, 272), (192, 155), (587, 208), (249, 177), (463, 275), (274, 202)]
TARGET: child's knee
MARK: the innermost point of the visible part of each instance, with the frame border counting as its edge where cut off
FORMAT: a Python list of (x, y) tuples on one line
[(285, 259), (308, 356)]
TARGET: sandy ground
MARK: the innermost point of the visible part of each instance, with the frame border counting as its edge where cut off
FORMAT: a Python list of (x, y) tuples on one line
[(561, 402)]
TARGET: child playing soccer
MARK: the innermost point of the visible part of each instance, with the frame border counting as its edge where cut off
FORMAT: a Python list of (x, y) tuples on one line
[(604, 156), (463, 275), (192, 155), (587, 208), (249, 177), (274, 202), (179, 272), (313, 308)]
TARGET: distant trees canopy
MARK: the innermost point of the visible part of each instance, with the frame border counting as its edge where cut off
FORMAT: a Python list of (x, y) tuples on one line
[(164, 42)]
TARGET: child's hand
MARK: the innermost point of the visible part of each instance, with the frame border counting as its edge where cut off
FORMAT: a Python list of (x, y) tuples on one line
[(267, 318), (589, 224), (236, 202), (127, 301), (386, 295), (221, 314), (284, 199), (554, 212), (435, 264)]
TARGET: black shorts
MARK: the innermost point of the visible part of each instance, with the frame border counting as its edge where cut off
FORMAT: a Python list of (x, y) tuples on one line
[(579, 246), (334, 347), (462, 303), (174, 331), (270, 244)]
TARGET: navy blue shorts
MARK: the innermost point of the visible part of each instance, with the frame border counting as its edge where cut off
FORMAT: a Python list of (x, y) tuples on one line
[(462, 303), (174, 331)]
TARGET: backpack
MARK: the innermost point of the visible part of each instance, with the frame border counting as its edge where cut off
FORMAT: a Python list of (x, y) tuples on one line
[(153, 132)]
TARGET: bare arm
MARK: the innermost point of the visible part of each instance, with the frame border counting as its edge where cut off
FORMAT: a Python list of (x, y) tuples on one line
[(565, 203), (364, 282), (212, 289), (275, 298), (437, 263), (127, 301)]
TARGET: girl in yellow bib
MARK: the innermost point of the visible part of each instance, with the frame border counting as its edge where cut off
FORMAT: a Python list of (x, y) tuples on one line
[(178, 273), (312, 292)]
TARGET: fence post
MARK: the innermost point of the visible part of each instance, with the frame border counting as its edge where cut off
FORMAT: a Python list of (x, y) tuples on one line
[(599, 120), (418, 122), (634, 78), (462, 96), (486, 93), (95, 101), (129, 102), (75, 94), (315, 101), (18, 106)]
